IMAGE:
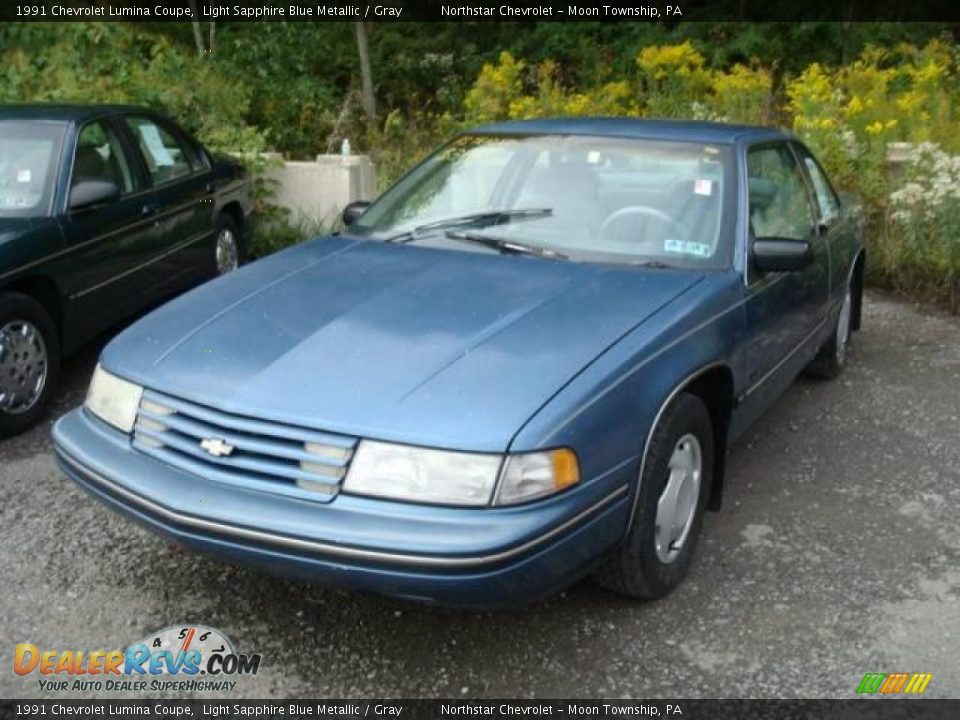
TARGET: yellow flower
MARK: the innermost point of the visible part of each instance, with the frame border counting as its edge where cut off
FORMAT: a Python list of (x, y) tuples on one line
[(660, 59), (855, 106)]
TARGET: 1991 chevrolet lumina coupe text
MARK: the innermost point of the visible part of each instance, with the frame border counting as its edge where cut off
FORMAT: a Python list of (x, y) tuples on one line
[(524, 362)]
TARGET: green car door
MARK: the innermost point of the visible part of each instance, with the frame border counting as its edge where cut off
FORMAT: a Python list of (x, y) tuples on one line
[(182, 181), (110, 242)]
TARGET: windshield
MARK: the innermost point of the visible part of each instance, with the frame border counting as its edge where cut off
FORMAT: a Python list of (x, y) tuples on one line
[(583, 197), (28, 157)]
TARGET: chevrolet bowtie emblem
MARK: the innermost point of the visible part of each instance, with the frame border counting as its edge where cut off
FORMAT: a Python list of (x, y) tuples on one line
[(216, 446)]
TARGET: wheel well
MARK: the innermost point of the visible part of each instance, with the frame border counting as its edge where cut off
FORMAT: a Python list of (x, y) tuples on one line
[(44, 291), (235, 212), (857, 309), (715, 388)]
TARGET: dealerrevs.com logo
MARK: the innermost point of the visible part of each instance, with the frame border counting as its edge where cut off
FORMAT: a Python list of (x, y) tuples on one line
[(178, 658)]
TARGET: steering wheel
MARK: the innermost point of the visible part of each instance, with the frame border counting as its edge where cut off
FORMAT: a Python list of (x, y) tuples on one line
[(643, 211)]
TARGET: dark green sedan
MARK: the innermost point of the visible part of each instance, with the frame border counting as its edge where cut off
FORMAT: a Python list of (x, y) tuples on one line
[(103, 211)]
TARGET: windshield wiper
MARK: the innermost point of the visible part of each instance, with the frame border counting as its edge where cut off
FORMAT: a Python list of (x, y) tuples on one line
[(490, 217), (508, 246)]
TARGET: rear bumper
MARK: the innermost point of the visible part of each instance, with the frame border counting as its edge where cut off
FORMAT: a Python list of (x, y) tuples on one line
[(451, 556)]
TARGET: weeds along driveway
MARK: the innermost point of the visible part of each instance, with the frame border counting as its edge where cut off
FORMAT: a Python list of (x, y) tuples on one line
[(837, 553)]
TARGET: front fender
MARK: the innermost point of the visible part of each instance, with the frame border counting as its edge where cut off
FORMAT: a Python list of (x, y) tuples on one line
[(607, 413)]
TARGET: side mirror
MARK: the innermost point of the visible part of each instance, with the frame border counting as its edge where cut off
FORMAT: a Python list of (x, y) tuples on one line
[(354, 210), (771, 254), (87, 193)]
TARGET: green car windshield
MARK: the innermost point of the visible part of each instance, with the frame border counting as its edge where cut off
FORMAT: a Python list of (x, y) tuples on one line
[(603, 199), (29, 152)]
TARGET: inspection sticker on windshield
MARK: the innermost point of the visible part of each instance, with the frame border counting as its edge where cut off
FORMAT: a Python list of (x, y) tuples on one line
[(687, 247), (23, 176), (703, 187)]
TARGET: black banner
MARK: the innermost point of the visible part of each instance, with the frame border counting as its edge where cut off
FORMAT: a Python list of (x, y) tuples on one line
[(479, 10), (877, 709)]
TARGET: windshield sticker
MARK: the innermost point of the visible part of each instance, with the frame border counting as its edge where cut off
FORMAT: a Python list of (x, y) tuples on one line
[(703, 187), (23, 176), (687, 247)]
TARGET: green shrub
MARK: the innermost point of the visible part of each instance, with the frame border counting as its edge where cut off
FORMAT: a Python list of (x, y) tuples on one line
[(925, 225), (118, 63)]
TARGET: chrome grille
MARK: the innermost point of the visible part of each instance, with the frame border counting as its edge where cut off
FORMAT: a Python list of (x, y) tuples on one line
[(240, 450)]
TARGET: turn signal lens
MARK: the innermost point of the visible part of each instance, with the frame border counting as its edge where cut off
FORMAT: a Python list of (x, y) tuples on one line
[(536, 475), (566, 468)]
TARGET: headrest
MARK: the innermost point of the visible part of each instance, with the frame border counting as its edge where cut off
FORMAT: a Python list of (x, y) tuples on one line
[(89, 164), (762, 193)]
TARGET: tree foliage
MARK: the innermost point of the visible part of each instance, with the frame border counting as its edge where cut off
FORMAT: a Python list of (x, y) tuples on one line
[(849, 89)]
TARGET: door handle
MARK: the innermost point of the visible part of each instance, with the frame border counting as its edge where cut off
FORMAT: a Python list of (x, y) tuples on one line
[(150, 210)]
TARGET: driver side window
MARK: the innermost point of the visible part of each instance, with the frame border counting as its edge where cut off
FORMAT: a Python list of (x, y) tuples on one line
[(100, 156), (779, 203)]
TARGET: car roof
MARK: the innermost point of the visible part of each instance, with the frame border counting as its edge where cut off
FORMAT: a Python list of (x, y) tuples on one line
[(63, 113), (688, 130)]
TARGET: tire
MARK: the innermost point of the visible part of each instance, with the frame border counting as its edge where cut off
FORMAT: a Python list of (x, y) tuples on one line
[(638, 567), (228, 245), (29, 362), (831, 359)]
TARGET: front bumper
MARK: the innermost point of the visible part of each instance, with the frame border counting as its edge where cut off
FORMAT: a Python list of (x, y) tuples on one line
[(477, 558)]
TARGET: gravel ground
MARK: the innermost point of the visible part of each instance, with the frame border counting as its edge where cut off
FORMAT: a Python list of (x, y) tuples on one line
[(837, 553)]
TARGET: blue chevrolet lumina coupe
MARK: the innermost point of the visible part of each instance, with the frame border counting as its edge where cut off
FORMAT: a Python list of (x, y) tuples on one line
[(523, 363)]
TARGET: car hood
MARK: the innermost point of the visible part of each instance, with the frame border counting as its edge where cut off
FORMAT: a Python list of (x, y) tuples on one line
[(426, 346)]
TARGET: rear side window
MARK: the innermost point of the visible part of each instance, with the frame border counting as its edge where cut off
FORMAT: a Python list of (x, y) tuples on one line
[(826, 197), (167, 156)]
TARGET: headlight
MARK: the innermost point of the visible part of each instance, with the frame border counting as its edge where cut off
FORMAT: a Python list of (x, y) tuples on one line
[(457, 478), (113, 400), (422, 475)]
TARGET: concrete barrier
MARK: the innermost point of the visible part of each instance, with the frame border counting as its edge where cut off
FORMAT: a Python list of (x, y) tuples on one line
[(317, 191)]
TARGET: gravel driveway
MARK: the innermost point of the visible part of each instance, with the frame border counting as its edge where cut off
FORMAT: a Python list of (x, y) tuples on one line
[(837, 553)]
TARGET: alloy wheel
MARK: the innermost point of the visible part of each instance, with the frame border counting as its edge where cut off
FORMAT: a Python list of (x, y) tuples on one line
[(227, 252), (677, 507), (843, 327), (23, 366)]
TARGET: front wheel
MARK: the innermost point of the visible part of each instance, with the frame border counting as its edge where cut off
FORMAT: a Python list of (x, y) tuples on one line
[(674, 485), (29, 362)]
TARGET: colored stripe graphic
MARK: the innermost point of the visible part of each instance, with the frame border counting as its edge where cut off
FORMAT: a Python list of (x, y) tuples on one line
[(894, 683), (918, 683), (871, 683)]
